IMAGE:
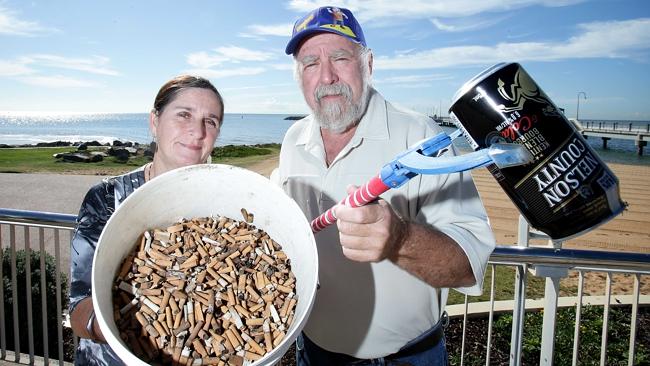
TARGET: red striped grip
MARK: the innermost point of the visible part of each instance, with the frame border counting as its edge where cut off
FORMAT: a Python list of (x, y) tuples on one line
[(362, 196)]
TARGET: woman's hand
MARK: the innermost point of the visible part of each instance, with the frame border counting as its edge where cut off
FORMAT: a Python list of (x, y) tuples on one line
[(84, 322)]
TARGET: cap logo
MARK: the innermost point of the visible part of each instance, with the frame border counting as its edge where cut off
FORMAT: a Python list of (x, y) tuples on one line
[(338, 22)]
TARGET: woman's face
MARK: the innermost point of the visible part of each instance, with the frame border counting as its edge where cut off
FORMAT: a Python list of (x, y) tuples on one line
[(186, 129)]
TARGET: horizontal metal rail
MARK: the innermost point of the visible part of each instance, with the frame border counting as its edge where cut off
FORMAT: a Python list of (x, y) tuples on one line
[(37, 218), (572, 258)]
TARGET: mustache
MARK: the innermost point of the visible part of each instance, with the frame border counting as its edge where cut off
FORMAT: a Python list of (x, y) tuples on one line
[(334, 89)]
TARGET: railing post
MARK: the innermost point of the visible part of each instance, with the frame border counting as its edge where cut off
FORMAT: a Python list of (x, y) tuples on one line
[(519, 306), (553, 276)]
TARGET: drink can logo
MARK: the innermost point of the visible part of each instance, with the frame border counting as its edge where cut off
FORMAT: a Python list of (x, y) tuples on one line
[(568, 189)]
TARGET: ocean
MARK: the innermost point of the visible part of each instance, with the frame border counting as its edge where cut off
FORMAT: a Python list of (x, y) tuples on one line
[(237, 129), (29, 129)]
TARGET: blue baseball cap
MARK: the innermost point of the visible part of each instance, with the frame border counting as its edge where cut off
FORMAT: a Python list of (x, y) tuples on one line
[(326, 19)]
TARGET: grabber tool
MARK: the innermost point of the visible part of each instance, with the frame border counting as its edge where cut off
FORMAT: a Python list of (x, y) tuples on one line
[(423, 158)]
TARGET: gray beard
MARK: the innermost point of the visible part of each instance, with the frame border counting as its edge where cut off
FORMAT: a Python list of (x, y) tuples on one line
[(339, 117)]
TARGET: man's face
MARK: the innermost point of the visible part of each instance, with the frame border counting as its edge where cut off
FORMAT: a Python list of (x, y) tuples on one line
[(332, 80)]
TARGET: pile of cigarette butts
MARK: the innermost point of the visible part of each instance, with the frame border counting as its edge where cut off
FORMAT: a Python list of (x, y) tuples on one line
[(205, 291)]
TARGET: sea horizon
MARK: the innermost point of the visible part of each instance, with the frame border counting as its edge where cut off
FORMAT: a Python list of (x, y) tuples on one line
[(31, 128)]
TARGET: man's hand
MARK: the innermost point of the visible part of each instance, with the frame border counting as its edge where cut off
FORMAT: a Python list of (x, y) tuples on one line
[(370, 233)]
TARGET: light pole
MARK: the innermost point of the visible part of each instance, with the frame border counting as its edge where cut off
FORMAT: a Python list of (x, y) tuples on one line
[(578, 108)]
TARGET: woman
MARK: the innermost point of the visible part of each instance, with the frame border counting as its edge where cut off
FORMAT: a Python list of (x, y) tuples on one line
[(185, 122)]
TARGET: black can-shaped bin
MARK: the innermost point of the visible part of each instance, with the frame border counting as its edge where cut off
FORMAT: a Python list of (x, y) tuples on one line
[(567, 190)]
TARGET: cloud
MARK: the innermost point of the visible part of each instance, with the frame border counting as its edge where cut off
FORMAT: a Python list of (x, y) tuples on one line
[(467, 24), (412, 78), (416, 9), (14, 68), (57, 81), (11, 25), (93, 65), (221, 55), (40, 69), (614, 39), (260, 30), (222, 73), (204, 60)]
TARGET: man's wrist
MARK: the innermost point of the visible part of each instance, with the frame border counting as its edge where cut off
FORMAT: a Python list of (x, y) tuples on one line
[(400, 237)]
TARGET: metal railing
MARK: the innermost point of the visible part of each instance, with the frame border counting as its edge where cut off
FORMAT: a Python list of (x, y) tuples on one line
[(551, 263), (49, 230)]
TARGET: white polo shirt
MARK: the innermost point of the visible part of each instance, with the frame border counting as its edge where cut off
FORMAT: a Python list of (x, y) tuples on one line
[(370, 310)]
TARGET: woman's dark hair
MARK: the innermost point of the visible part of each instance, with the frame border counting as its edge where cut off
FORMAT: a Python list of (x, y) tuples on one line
[(168, 92)]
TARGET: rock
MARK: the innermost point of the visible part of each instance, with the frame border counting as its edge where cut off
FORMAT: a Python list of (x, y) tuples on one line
[(122, 155), (82, 147), (75, 157), (53, 144), (96, 157), (117, 143)]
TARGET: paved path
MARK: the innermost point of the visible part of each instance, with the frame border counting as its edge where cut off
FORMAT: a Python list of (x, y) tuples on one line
[(60, 193)]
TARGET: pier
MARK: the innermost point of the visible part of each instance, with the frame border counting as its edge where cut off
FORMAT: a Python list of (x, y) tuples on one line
[(443, 121), (607, 130)]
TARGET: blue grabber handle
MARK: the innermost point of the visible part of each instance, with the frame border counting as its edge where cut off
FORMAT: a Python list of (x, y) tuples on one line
[(418, 159)]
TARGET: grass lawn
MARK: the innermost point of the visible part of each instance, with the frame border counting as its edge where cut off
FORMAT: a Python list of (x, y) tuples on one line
[(504, 287), (41, 160)]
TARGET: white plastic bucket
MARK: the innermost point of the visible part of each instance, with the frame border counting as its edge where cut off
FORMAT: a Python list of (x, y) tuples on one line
[(202, 191)]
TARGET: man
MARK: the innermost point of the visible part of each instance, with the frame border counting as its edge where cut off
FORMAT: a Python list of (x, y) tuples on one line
[(384, 268)]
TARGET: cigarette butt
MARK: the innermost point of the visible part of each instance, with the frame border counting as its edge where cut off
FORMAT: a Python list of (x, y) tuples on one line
[(159, 328), (268, 259), (150, 304), (163, 262), (151, 330), (148, 310), (278, 339), (145, 270), (254, 322), (248, 355), (129, 288), (285, 289), (169, 319), (256, 347), (151, 292), (198, 346), (173, 306), (195, 331), (208, 321), (175, 228), (241, 310), (165, 299), (198, 312), (182, 327), (253, 309), (177, 319), (232, 339), (268, 341)]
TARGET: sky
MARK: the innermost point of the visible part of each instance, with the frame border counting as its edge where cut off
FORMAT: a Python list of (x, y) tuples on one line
[(113, 56)]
